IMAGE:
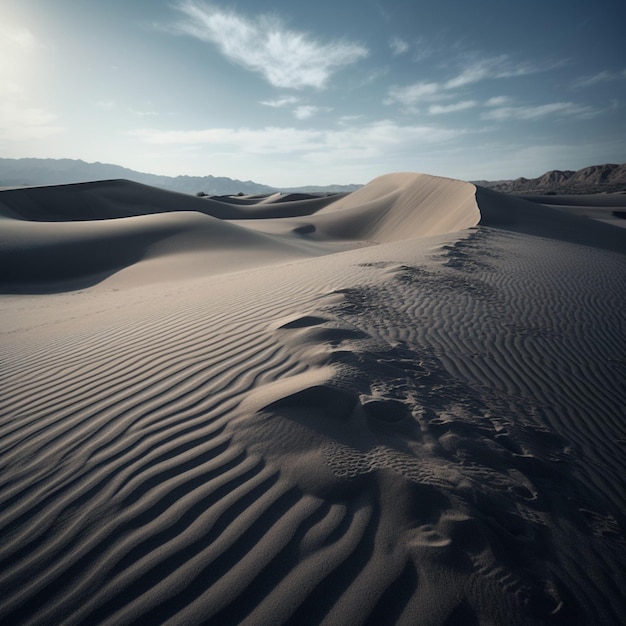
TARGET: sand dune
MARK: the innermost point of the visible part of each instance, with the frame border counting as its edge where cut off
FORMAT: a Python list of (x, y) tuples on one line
[(110, 199), (398, 406), (401, 206), (607, 208)]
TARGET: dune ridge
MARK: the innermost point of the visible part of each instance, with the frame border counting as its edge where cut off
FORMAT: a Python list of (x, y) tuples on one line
[(403, 417)]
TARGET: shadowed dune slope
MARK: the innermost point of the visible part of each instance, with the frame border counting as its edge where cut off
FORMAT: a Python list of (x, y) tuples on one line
[(607, 208), (523, 216), (74, 254), (109, 199)]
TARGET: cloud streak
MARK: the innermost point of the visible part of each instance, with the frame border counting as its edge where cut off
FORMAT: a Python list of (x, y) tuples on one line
[(360, 141), (412, 94), (601, 77), (279, 103), (485, 69), (398, 46), (306, 111), (438, 109), (285, 58), (19, 36), (567, 109)]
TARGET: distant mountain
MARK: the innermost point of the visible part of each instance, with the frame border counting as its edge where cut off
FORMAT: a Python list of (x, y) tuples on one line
[(608, 178), (28, 172), (20, 172), (25, 172)]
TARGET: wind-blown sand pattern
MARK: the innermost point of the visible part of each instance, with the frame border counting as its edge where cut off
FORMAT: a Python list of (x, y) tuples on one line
[(403, 405)]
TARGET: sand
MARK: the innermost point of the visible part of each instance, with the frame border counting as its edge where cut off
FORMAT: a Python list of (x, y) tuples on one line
[(404, 405)]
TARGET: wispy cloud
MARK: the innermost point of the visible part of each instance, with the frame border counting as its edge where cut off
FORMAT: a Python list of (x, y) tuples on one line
[(301, 112), (398, 46), (268, 140), (485, 69), (382, 11), (19, 36), (280, 102), (306, 111), (535, 112), (359, 140), (601, 77), (346, 120), (412, 94), (286, 58), (438, 109), (141, 113), (489, 68), (107, 105), (423, 49), (374, 75), (498, 101)]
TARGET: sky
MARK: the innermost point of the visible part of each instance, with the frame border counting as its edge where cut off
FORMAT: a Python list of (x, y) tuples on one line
[(322, 92)]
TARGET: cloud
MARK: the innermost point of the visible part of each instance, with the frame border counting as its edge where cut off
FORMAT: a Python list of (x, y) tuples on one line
[(382, 11), (305, 111), (358, 141), (280, 102), (285, 58), (398, 46), (107, 105), (538, 111), (423, 48), (19, 36), (412, 94), (601, 77), (490, 68), (141, 113), (497, 101), (301, 112), (268, 140), (349, 119), (437, 109)]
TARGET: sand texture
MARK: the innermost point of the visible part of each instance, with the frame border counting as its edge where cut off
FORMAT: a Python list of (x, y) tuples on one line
[(404, 405)]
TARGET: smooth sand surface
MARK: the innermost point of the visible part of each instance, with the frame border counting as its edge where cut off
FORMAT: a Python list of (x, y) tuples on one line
[(403, 405)]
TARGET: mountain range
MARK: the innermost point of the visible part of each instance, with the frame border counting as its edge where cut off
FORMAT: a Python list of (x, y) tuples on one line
[(607, 178), (30, 171)]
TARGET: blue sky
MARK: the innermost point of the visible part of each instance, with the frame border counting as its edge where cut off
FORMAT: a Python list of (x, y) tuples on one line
[(292, 93)]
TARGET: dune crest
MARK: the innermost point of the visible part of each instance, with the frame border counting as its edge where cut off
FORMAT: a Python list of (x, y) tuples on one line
[(401, 206)]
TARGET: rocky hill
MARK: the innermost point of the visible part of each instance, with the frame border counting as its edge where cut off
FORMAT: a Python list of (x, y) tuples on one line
[(608, 178), (28, 172)]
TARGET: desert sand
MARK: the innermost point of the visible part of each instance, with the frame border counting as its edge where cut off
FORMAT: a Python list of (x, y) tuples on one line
[(404, 405)]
